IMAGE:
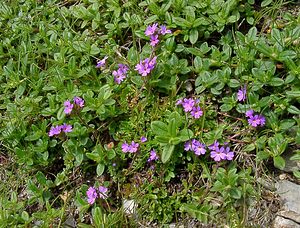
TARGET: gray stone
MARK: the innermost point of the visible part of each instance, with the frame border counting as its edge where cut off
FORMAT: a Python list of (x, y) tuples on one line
[(289, 194), (290, 165), (70, 222), (280, 222), (290, 215)]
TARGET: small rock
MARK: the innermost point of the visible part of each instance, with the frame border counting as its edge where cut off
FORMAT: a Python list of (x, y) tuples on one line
[(289, 193), (290, 215), (290, 165), (70, 222), (280, 222)]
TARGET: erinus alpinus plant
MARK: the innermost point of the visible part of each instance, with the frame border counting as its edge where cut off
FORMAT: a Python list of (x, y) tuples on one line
[(174, 106)]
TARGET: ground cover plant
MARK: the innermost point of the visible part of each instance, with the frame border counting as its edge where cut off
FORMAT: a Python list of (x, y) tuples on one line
[(122, 113)]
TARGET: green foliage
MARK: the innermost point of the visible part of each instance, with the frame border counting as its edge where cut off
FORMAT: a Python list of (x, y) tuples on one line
[(48, 55)]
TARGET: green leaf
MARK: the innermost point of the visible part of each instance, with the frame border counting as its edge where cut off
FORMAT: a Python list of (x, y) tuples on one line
[(293, 110), (249, 147), (93, 156), (181, 22), (198, 64), (233, 83), (286, 124), (163, 139), (262, 155), (100, 169), (276, 82), (25, 216), (98, 217), (151, 19), (235, 193), (297, 174), (94, 50), (35, 136), (293, 93), (193, 36), (111, 154), (186, 134), (265, 3), (279, 162), (41, 178), (167, 152), (61, 114), (159, 128), (172, 127), (226, 107)]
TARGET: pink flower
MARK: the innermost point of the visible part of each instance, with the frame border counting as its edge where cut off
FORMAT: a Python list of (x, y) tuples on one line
[(154, 40), (196, 112), (163, 30), (241, 95), (92, 195), (68, 107), (153, 156), (151, 29)]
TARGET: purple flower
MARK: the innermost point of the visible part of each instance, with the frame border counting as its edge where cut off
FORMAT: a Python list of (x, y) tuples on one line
[(154, 40), (120, 74), (68, 107), (125, 147), (151, 29), (179, 102), (143, 139), (102, 192), (218, 154), (66, 128), (241, 95), (153, 156), (163, 30), (92, 195), (101, 62), (214, 146), (195, 146), (196, 112), (55, 130), (188, 104), (228, 154), (146, 66), (188, 146), (78, 101), (133, 147), (249, 113), (199, 150), (256, 120), (262, 120)]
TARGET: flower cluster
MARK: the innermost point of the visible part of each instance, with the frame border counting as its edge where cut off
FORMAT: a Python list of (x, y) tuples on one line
[(131, 148), (153, 156), (120, 74), (92, 194), (195, 146), (219, 153), (255, 120), (146, 66), (191, 106), (78, 103), (101, 63), (153, 31), (60, 128), (241, 95)]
